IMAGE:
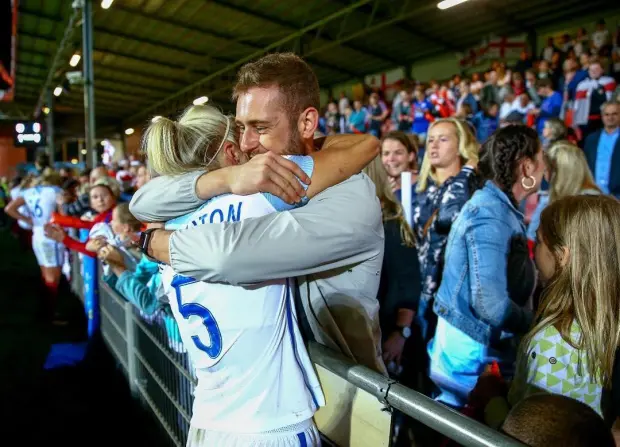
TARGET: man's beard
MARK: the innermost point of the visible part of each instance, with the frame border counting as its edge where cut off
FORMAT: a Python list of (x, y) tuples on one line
[(295, 145)]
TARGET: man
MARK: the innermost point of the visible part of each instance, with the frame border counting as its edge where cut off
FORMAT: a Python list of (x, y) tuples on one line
[(333, 246), (602, 150), (551, 106), (591, 93)]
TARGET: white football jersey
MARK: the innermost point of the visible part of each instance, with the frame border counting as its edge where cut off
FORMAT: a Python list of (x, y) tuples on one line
[(41, 203), (254, 373), (15, 193)]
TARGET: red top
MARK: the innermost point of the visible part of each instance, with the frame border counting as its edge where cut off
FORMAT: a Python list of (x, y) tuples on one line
[(76, 222)]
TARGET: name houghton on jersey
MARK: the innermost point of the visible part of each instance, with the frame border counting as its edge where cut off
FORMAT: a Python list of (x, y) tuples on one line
[(217, 216)]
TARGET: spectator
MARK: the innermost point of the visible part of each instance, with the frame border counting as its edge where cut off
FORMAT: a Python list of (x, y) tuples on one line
[(399, 154), (568, 174), (405, 114), (422, 116), (600, 38), (443, 188), (377, 113), (581, 43), (479, 313), (544, 420), (547, 53), (466, 97), (343, 103), (602, 149), (490, 92), (486, 122), (591, 94), (554, 130), (358, 118), (551, 106)]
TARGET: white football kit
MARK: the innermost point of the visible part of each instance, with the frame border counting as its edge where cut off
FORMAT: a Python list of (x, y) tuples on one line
[(41, 203), (254, 373), (15, 193)]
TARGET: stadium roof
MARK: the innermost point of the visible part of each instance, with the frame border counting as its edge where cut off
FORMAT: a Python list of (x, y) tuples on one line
[(155, 56)]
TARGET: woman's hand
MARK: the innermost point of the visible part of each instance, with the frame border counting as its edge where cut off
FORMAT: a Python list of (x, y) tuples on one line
[(54, 232), (96, 244), (393, 348), (112, 256)]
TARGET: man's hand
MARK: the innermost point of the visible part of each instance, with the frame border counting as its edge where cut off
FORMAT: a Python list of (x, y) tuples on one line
[(269, 173)]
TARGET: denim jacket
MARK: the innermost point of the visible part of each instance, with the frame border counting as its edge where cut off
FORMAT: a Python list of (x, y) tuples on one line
[(473, 295)]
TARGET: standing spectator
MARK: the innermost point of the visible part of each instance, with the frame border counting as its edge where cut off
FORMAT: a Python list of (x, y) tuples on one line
[(343, 103), (405, 113), (358, 118), (486, 122), (600, 38), (602, 149), (530, 87), (443, 188), (466, 97), (581, 43), (377, 113), (591, 94), (479, 303), (551, 105), (547, 53), (422, 116), (332, 119), (524, 63), (490, 92)]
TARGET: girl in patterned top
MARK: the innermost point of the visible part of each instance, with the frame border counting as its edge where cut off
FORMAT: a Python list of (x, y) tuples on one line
[(571, 348)]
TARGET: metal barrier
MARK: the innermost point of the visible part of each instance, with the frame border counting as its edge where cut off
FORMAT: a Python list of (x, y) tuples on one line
[(160, 374)]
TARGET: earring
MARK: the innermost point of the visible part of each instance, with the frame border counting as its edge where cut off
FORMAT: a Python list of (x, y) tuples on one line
[(528, 187)]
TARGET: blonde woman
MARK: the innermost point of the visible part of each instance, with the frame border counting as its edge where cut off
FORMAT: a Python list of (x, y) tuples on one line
[(35, 206), (572, 347), (256, 384), (443, 188), (568, 174)]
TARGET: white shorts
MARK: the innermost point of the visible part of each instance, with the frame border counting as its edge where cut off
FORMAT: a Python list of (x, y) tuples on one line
[(49, 253), (304, 434)]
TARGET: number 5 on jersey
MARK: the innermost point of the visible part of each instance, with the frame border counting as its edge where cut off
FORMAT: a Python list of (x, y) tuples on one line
[(214, 348)]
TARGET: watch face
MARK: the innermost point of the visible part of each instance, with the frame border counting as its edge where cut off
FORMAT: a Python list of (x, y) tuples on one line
[(407, 332)]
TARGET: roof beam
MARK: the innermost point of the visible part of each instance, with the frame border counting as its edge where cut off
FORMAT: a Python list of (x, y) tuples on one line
[(510, 21), (207, 57), (373, 13), (196, 85), (293, 26)]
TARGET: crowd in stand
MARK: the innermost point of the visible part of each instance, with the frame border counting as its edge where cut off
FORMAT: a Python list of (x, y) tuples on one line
[(465, 314)]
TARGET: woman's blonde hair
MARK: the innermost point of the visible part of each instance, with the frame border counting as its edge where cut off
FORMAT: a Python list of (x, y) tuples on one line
[(392, 210), (569, 173), (586, 230), (468, 150), (48, 177), (190, 143)]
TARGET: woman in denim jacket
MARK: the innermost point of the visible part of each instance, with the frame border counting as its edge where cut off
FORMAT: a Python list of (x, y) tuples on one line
[(443, 188), (478, 316)]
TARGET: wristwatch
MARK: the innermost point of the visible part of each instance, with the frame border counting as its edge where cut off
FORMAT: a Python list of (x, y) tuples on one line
[(405, 331), (145, 240)]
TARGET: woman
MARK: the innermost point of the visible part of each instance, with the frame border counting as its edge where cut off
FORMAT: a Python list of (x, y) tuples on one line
[(442, 190), (554, 130), (399, 289), (478, 313), (40, 203), (568, 174), (399, 154)]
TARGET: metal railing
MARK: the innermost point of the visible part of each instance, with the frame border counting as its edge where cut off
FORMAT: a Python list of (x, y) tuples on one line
[(161, 376)]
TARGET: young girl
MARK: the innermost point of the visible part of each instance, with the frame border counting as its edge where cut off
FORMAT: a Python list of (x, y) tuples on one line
[(103, 197), (571, 348)]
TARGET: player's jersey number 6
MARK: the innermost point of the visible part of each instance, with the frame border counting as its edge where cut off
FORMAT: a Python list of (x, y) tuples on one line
[(214, 348)]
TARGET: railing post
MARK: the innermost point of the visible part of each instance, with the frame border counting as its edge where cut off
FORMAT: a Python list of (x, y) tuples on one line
[(130, 334)]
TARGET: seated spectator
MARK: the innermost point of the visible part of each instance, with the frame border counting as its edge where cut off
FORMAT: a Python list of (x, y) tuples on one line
[(546, 420)]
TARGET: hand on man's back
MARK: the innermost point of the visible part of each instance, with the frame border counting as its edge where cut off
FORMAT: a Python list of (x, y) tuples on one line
[(269, 173)]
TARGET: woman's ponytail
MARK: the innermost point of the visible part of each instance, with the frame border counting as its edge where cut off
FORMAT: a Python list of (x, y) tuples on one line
[(160, 144)]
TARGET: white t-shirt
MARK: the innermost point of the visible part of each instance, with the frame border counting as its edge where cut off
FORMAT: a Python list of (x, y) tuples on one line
[(41, 203), (254, 373), (15, 193)]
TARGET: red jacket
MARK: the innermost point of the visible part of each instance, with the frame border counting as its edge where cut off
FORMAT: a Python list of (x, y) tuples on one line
[(76, 222)]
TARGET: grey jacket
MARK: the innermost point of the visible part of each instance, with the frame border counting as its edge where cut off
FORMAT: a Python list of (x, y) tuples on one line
[(333, 246)]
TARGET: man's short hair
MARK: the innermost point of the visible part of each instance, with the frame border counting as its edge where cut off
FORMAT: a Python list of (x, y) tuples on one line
[(544, 83), (545, 420), (294, 77), (609, 103)]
